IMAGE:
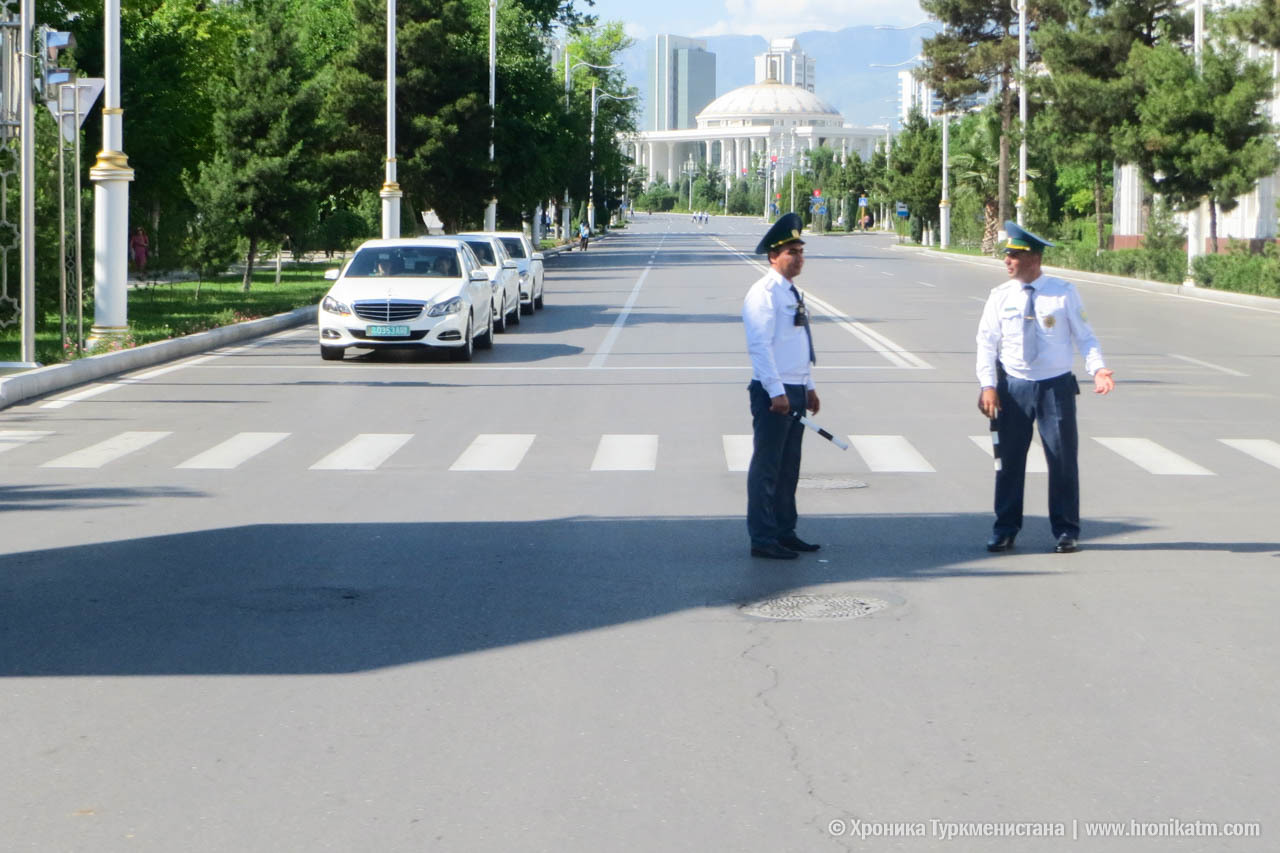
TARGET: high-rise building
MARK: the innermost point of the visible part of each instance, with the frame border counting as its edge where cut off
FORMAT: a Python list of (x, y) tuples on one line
[(682, 80), (785, 62)]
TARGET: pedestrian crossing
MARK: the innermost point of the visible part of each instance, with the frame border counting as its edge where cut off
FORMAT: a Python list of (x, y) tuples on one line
[(613, 452)]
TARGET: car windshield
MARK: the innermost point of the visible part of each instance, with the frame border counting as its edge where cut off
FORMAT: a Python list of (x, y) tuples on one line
[(514, 246), (405, 261), (483, 251)]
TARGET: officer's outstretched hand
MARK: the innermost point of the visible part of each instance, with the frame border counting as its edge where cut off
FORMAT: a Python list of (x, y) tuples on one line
[(1102, 382), (780, 405)]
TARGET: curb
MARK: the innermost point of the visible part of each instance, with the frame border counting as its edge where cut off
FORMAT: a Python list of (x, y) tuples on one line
[(1201, 294), (56, 377)]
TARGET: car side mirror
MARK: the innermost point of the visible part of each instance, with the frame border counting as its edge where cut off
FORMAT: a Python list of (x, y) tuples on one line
[(509, 265), (538, 256), (331, 275), (479, 275)]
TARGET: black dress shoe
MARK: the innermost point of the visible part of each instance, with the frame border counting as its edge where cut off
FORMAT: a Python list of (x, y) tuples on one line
[(773, 551), (1066, 545), (795, 543), (1001, 542)]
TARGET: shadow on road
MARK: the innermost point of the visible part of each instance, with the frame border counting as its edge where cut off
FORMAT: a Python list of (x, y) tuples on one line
[(336, 598)]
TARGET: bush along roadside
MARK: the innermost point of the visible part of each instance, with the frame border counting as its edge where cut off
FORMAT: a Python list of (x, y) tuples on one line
[(1240, 271)]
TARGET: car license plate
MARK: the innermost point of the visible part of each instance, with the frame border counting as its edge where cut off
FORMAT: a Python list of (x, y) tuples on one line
[(388, 331)]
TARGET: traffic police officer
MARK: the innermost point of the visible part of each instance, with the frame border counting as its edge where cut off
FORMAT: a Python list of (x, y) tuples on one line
[(780, 344), (1025, 343)]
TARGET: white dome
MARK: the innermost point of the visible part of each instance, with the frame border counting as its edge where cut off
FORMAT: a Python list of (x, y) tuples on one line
[(769, 98)]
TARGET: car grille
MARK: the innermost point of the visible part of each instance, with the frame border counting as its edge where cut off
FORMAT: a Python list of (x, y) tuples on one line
[(388, 310)]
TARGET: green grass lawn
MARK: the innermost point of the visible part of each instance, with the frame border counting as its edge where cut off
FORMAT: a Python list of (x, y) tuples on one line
[(162, 311)]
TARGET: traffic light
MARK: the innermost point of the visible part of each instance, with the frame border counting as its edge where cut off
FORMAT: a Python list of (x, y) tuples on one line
[(51, 74)]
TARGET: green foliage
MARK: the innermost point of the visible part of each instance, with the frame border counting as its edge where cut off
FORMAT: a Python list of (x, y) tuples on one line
[(915, 170), (257, 182), (1240, 271)]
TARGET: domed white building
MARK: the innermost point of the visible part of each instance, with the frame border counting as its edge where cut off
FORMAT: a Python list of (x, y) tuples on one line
[(766, 120)]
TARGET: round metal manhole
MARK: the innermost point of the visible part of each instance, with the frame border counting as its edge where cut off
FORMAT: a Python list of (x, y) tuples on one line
[(814, 607), (826, 482)]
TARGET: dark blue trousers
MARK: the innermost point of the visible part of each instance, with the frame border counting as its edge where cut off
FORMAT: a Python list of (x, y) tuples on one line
[(1050, 406), (775, 466)]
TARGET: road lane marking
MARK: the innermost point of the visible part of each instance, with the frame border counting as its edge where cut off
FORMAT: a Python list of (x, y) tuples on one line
[(926, 284), (626, 453), (1153, 457), (890, 453), (11, 438), (365, 452), (235, 451), (110, 450), (91, 391), (493, 452), (1035, 456), (894, 354), (607, 345), (737, 451), (1210, 365), (1262, 449)]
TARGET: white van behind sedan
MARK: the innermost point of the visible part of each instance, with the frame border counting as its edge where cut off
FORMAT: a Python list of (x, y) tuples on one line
[(528, 263), (420, 292)]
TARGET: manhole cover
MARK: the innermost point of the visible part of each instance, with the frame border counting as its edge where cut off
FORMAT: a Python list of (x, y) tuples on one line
[(814, 607), (829, 483)]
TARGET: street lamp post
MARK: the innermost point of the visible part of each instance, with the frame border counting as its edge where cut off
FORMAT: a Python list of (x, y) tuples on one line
[(1195, 218), (111, 175), (567, 215), (390, 191), (591, 196), (491, 212), (1021, 6)]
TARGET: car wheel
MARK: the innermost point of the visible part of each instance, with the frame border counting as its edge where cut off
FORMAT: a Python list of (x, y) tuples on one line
[(468, 348), (516, 311), (485, 341), (537, 302), (501, 323), (331, 353)]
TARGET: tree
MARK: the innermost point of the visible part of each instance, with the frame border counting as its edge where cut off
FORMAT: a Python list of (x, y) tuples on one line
[(976, 52), (259, 178), (915, 169), (1086, 92), (975, 165), (1199, 132)]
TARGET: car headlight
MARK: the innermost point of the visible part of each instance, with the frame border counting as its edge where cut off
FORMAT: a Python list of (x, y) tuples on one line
[(449, 306), (333, 306)]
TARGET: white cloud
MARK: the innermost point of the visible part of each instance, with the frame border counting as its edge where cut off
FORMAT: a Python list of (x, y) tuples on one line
[(637, 31), (774, 20)]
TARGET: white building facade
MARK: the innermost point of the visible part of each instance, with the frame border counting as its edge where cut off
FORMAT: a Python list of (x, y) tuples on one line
[(785, 62)]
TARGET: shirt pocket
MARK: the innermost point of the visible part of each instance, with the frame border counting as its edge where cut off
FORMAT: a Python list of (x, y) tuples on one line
[(1011, 322)]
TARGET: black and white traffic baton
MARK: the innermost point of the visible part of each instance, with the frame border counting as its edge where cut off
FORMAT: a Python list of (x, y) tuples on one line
[(995, 441), (837, 441)]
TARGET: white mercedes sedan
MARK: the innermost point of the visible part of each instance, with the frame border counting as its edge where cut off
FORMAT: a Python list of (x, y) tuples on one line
[(504, 275), (422, 292), (528, 264)]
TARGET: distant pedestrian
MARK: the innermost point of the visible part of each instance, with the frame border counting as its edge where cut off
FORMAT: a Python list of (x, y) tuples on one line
[(138, 245), (583, 234)]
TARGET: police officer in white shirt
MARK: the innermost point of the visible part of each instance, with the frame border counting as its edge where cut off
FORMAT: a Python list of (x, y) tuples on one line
[(1025, 339), (780, 344)]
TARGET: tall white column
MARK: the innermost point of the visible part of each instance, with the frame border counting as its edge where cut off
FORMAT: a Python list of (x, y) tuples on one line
[(671, 164), (111, 176)]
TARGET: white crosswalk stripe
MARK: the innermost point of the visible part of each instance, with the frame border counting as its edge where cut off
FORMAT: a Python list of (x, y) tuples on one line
[(1153, 457), (737, 451), (494, 452), (11, 438), (1035, 456), (626, 453), (236, 450), (107, 451), (365, 452), (1262, 449), (890, 453)]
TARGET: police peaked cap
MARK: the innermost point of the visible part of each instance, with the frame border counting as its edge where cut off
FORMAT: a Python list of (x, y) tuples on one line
[(1022, 240), (785, 230)]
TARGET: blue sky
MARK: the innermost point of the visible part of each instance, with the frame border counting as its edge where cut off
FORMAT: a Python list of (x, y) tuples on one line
[(752, 17)]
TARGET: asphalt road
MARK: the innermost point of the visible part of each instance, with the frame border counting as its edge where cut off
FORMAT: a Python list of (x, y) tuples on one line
[(255, 601)]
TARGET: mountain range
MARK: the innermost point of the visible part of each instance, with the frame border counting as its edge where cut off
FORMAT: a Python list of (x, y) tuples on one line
[(864, 95)]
